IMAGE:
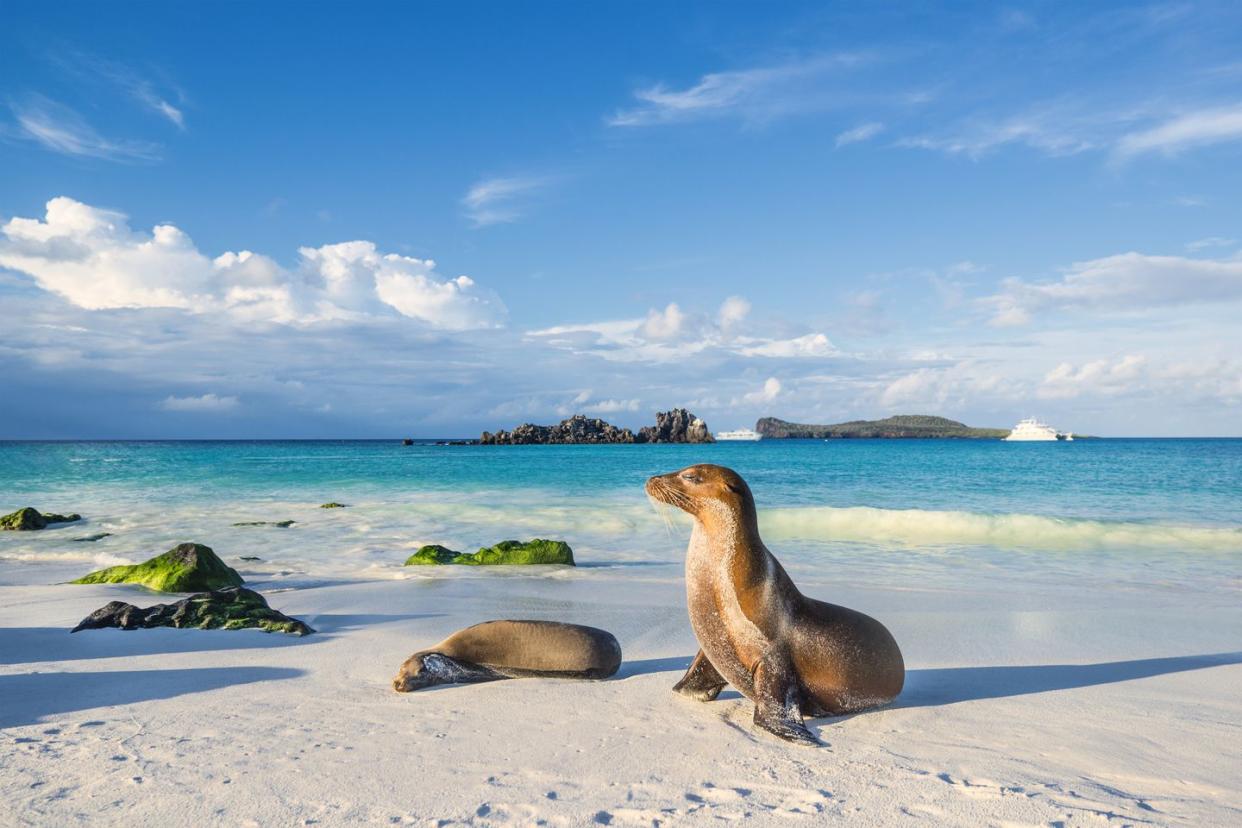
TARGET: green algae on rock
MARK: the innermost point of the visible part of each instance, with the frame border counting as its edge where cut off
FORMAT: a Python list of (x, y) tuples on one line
[(232, 608), (332, 505), (188, 567), (509, 552), (29, 518), (283, 524)]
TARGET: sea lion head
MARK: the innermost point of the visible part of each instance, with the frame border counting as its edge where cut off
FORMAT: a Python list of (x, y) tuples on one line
[(421, 670), (703, 489)]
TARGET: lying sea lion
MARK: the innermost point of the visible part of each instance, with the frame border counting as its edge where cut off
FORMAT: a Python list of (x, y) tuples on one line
[(512, 649), (789, 654)]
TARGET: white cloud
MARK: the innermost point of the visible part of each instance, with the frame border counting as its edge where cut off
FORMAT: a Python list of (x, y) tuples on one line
[(141, 89), (1128, 281), (92, 258), (1210, 241), (671, 335), (1047, 130), (499, 200), (1199, 128), (60, 129), (755, 94), (862, 132), (732, 311), (611, 406), (771, 390), (665, 324), (207, 402), (1101, 376), (810, 345)]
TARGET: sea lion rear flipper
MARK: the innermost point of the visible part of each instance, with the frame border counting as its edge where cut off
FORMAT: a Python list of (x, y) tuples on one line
[(777, 701), (701, 681)]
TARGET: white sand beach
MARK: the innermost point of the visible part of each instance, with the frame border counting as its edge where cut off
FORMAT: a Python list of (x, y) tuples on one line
[(1041, 704)]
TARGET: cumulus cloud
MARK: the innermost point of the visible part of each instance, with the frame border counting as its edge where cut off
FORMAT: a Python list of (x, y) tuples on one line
[(60, 129), (1127, 281), (92, 258), (671, 334), (207, 402), (862, 132), (759, 93), (771, 390), (1101, 376), (499, 200)]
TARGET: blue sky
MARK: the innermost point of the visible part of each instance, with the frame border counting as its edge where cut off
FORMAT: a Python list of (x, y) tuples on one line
[(254, 220)]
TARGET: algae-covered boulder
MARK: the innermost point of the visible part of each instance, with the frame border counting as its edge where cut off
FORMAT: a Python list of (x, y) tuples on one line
[(232, 608), (509, 552), (189, 567), (332, 505), (432, 553), (29, 518)]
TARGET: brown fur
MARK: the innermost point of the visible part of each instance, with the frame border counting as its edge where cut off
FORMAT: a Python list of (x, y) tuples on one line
[(788, 653), (512, 649)]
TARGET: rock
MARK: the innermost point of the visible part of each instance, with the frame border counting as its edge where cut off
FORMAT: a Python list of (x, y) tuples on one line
[(676, 426), (92, 538), (189, 567), (27, 519), (407, 442), (509, 552), (231, 608), (901, 426), (576, 429), (332, 505), (283, 524)]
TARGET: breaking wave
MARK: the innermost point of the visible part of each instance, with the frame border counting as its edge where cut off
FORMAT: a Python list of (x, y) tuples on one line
[(918, 527)]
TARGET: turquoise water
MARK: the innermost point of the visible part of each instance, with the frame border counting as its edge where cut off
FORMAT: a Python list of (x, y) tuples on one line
[(839, 501)]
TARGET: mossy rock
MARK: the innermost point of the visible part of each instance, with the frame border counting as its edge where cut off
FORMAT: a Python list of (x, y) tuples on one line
[(232, 608), (332, 505), (283, 524), (29, 518), (189, 567), (509, 552)]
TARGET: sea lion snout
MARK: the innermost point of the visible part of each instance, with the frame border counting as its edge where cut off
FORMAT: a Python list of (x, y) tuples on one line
[(692, 486), (411, 676)]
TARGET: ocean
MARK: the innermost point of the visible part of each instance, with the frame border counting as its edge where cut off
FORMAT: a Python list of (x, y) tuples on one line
[(922, 514)]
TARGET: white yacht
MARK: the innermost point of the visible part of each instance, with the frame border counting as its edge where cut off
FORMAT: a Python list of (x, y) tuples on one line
[(740, 434), (1031, 429)]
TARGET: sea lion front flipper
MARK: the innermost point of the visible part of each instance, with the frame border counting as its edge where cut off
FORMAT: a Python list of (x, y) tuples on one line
[(777, 701), (701, 681)]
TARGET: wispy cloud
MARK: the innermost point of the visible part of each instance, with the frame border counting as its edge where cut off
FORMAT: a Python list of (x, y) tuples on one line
[(61, 129), (1125, 282), (206, 402), (860, 133), (500, 200), (1198, 128), (142, 89), (1209, 242), (756, 94)]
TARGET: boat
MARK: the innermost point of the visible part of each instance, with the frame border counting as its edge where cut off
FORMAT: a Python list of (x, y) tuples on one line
[(1032, 430), (741, 434)]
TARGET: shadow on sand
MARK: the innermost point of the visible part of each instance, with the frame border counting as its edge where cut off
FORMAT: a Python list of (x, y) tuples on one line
[(950, 685), (26, 699), (25, 645)]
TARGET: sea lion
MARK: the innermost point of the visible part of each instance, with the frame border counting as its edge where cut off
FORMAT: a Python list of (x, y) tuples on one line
[(789, 654), (512, 649)]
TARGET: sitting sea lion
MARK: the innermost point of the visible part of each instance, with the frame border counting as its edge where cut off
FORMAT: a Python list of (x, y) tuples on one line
[(512, 649), (789, 654)]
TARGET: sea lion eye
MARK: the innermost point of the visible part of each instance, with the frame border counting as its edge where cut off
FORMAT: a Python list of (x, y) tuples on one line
[(690, 477)]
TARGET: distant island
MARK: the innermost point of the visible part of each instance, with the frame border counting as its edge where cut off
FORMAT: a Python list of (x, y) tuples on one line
[(902, 426), (676, 426)]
